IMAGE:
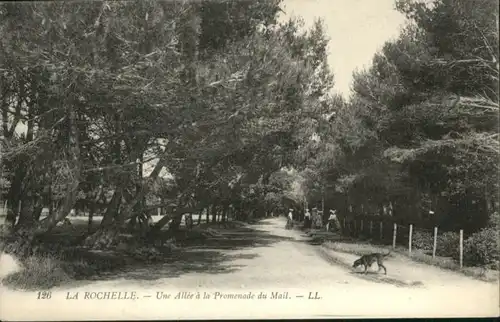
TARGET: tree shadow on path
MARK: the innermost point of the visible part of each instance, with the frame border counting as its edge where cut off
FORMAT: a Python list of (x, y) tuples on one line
[(210, 255)]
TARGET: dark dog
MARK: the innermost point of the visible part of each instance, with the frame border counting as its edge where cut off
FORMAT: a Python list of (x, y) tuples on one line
[(368, 260)]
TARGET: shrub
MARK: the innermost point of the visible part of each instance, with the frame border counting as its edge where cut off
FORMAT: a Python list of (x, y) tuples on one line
[(481, 248), (448, 244), (494, 220), (423, 240), (18, 247)]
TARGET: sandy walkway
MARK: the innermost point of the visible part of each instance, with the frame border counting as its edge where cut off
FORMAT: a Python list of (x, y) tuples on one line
[(278, 260)]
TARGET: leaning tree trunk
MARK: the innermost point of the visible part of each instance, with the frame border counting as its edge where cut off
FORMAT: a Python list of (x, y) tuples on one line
[(75, 167), (112, 208), (224, 212), (127, 211), (28, 234), (15, 193), (215, 212), (37, 211), (114, 219), (162, 222), (30, 186), (91, 217), (176, 222), (199, 216), (106, 233), (26, 220), (176, 217)]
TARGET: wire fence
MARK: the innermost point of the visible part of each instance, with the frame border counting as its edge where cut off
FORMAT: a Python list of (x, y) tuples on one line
[(412, 237)]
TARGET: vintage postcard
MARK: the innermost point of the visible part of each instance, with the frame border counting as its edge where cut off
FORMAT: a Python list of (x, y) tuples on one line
[(249, 159)]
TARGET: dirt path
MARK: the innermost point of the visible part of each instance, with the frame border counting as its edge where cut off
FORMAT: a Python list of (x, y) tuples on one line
[(266, 258)]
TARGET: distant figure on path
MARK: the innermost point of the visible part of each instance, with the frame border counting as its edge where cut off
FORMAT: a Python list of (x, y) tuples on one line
[(289, 221), (332, 221), (307, 219), (316, 219), (319, 219)]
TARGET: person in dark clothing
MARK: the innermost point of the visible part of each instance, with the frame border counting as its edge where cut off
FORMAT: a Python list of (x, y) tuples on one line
[(307, 219)]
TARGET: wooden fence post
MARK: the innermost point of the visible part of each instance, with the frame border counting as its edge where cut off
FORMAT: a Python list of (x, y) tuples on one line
[(435, 242), (354, 231), (381, 230), (409, 239), (394, 232), (361, 226), (461, 248), (371, 228)]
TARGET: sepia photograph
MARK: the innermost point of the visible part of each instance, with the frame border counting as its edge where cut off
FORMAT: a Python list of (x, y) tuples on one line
[(249, 159)]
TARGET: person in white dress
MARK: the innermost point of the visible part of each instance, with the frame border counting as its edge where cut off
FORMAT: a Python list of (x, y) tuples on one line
[(289, 222), (332, 220)]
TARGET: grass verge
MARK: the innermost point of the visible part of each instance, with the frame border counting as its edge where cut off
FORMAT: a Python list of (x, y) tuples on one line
[(38, 273), (42, 271), (361, 248), (58, 261), (336, 258)]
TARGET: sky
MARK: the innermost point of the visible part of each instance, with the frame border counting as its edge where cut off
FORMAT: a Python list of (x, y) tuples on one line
[(357, 30)]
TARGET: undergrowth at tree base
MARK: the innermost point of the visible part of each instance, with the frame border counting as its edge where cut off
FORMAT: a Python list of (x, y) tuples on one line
[(47, 270), (45, 266)]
